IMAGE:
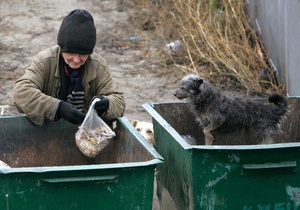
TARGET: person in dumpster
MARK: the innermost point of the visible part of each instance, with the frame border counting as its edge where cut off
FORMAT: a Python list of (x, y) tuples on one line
[(64, 79)]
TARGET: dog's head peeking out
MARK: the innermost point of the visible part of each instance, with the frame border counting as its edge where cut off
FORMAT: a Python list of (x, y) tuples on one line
[(146, 129), (190, 85)]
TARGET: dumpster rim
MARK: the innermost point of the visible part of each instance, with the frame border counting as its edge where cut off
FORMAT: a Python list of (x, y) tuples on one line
[(44, 169)]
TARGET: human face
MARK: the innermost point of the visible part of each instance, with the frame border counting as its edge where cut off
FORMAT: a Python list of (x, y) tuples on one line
[(74, 60)]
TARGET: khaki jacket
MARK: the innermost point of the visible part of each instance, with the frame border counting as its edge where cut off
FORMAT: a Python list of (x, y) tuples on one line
[(35, 93)]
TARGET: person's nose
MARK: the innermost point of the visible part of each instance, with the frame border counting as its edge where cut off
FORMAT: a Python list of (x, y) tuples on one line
[(76, 59)]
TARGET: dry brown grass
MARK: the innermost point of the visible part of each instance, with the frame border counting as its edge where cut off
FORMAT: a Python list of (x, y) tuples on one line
[(216, 34)]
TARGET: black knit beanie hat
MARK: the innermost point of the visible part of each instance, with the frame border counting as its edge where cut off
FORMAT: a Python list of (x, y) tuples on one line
[(77, 33)]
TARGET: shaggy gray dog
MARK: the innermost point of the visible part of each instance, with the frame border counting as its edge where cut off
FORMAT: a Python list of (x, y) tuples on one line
[(214, 110)]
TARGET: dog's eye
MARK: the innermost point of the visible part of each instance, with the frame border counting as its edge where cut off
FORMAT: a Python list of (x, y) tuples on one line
[(138, 129), (149, 131)]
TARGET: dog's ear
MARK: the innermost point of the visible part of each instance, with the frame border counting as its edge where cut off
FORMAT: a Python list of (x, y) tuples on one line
[(197, 83), (134, 123)]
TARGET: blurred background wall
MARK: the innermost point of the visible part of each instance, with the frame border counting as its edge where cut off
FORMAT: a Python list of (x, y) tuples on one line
[(278, 24)]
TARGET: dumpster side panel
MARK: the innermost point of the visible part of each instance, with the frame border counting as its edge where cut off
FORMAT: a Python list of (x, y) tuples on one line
[(98, 189), (24, 144), (246, 179), (175, 175)]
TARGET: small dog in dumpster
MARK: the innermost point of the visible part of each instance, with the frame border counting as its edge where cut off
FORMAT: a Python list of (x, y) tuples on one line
[(214, 110), (146, 129)]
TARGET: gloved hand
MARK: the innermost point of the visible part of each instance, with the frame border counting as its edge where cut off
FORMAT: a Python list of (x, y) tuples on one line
[(68, 112), (102, 105)]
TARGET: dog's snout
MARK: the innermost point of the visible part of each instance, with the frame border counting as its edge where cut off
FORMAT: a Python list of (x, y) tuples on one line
[(178, 94)]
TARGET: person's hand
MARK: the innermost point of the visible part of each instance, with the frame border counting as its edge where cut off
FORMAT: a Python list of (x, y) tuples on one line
[(68, 112), (102, 105)]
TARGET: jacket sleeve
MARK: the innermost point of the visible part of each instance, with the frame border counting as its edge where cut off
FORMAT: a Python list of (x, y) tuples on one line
[(29, 96)]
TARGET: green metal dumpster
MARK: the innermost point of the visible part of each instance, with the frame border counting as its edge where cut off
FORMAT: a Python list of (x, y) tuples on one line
[(48, 171), (232, 174)]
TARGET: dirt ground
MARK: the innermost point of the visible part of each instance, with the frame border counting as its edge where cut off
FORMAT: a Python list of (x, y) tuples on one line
[(31, 26)]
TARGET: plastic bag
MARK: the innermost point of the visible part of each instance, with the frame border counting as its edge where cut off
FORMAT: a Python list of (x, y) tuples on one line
[(93, 134)]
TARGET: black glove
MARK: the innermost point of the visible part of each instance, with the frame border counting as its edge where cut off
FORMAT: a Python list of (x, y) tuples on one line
[(68, 112), (102, 105)]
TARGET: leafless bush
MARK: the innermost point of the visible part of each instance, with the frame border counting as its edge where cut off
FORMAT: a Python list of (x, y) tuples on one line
[(217, 35)]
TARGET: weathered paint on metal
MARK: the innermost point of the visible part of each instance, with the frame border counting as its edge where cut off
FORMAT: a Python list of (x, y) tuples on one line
[(225, 176)]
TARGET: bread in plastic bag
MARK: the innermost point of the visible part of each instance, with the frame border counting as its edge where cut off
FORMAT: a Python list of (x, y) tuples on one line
[(93, 134)]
